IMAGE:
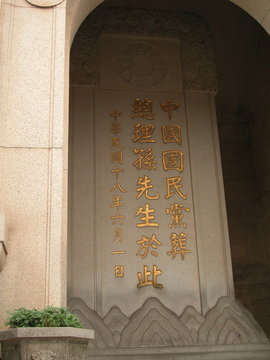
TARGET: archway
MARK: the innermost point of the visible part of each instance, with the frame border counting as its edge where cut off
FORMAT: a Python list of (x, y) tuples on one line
[(79, 10), (241, 123)]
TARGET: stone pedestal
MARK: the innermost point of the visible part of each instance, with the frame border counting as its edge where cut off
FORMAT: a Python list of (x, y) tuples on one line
[(227, 331), (219, 352), (45, 343)]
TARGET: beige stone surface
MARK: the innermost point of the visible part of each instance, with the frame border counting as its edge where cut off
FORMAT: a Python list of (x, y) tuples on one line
[(211, 224), (3, 241), (76, 13), (31, 3), (266, 22), (59, 92), (55, 251), (34, 236), (31, 101), (32, 162), (5, 14), (44, 3), (26, 213)]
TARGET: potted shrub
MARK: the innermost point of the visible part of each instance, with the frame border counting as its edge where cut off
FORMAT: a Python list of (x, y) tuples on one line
[(48, 334)]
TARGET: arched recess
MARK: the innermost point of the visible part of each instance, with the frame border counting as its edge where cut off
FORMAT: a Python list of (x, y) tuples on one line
[(78, 10), (259, 10), (81, 11)]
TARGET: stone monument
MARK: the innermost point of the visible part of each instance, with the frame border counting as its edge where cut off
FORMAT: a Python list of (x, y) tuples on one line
[(150, 266)]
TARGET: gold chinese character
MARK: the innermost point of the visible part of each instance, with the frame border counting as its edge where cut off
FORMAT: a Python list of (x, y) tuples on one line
[(145, 243), (118, 235), (116, 171), (169, 107), (117, 156), (116, 143), (173, 160), (144, 278), (143, 133), (171, 134), (119, 252), (145, 186), (147, 218), (119, 270), (175, 210), (115, 129), (118, 217), (117, 202), (145, 160), (142, 108), (115, 114), (119, 187), (173, 186), (178, 244)]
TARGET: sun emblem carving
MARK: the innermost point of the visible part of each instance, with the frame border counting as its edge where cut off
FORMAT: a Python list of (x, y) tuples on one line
[(141, 65)]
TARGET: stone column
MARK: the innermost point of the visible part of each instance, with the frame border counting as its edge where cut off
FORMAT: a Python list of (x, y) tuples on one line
[(33, 153)]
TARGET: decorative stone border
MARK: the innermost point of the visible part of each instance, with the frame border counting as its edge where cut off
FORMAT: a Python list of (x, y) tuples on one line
[(153, 324), (199, 71)]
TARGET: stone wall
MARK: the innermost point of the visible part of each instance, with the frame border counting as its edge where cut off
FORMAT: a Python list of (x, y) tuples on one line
[(260, 107), (242, 53)]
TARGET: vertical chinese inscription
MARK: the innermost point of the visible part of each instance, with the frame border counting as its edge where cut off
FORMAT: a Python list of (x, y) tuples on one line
[(117, 159), (155, 144), (173, 161)]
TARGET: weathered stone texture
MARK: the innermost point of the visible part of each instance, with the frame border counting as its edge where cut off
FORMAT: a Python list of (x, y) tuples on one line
[(243, 115)]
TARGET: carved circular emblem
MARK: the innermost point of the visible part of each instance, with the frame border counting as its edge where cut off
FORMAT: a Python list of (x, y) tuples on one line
[(44, 3), (141, 65)]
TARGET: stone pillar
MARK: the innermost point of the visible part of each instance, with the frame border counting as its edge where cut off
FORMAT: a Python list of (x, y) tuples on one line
[(33, 153)]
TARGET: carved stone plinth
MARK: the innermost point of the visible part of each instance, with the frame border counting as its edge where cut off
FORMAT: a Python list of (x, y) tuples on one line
[(45, 343), (219, 352), (227, 331)]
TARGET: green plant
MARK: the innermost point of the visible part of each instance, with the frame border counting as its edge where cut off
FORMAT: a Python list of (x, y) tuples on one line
[(48, 317)]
